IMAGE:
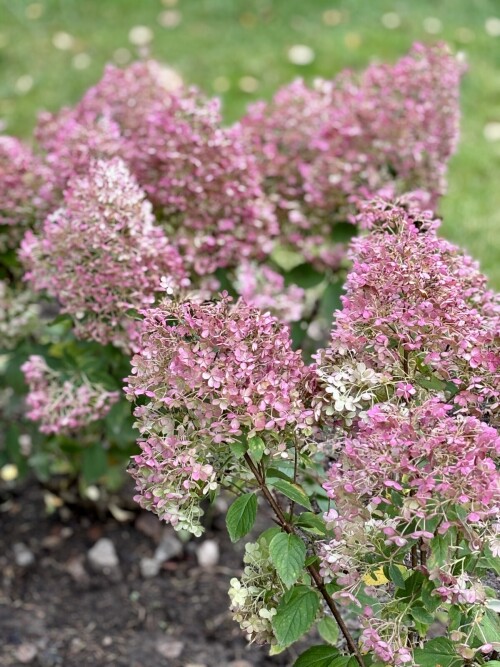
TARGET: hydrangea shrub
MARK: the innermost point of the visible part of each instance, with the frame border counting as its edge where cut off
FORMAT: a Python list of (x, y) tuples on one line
[(380, 461), (142, 239)]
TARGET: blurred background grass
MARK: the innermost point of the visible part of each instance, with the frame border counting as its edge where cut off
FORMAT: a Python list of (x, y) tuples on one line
[(242, 50)]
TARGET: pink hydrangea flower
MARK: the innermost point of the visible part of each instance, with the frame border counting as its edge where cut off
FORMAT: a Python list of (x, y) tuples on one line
[(265, 289), (25, 190), (324, 150), (210, 373), (204, 184), (63, 405), (101, 255)]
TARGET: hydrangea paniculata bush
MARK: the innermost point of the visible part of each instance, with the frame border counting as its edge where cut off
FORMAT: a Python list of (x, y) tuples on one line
[(63, 404), (212, 374), (203, 183), (101, 255), (25, 190), (379, 460), (324, 150), (402, 405), (19, 315)]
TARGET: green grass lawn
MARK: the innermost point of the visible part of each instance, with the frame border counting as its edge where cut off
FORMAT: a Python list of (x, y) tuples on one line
[(239, 49)]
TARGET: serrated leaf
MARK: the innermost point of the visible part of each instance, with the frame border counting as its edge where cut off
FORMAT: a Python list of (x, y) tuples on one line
[(292, 491), (395, 573), (312, 523), (420, 614), (318, 656), (268, 534), (431, 602), (439, 546), (276, 473), (256, 447), (241, 516), (238, 448), (489, 628), (328, 630), (295, 614), (288, 554), (440, 651)]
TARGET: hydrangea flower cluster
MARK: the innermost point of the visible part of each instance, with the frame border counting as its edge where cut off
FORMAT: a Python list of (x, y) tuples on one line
[(263, 288), (25, 190), (325, 150), (62, 405), (411, 377), (211, 373), (72, 140), (19, 315), (444, 459), (256, 594), (101, 255), (199, 176), (410, 297)]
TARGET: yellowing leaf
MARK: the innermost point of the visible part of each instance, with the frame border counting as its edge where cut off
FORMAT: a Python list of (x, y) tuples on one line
[(376, 578)]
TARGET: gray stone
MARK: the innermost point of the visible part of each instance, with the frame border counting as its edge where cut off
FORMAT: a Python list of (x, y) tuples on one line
[(149, 567), (169, 547), (102, 556), (22, 555), (207, 553), (169, 648)]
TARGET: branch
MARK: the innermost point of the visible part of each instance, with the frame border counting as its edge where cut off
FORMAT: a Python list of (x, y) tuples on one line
[(317, 578)]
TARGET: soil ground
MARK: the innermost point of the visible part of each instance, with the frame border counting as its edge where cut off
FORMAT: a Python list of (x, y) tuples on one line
[(57, 612)]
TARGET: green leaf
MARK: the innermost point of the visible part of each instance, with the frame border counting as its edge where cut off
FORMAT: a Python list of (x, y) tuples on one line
[(420, 614), (440, 651), (494, 605), (395, 575), (268, 535), (322, 656), (330, 301), (432, 382), (238, 448), (295, 614), (256, 447), (241, 516), (312, 523), (292, 491), (288, 554), (285, 258), (328, 630), (304, 276), (493, 563), (94, 463), (343, 232), (431, 602), (489, 627), (318, 656), (412, 587), (273, 472), (439, 550)]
